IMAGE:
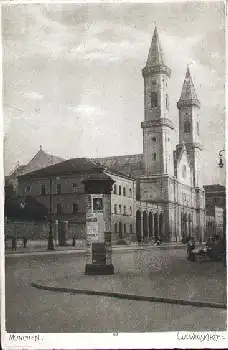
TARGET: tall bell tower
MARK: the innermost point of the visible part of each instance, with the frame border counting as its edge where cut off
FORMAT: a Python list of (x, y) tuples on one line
[(189, 130), (157, 127)]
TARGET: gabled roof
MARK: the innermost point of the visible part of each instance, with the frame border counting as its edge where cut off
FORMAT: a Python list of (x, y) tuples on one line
[(155, 56), (75, 165), (42, 160), (188, 92), (70, 166), (39, 161)]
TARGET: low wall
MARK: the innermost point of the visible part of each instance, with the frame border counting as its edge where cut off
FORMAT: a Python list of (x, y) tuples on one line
[(29, 230), (40, 230)]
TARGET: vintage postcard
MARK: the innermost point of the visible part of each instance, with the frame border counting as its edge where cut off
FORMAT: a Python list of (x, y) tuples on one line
[(114, 175)]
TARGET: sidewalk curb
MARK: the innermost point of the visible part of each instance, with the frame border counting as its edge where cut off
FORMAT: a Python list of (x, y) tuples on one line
[(45, 253), (115, 250), (131, 296)]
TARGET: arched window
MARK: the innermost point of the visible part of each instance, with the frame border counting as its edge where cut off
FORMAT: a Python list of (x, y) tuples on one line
[(115, 209), (124, 227), (114, 189), (187, 127), (130, 210), (154, 99), (120, 190), (120, 208), (115, 227), (124, 210), (124, 191), (184, 171)]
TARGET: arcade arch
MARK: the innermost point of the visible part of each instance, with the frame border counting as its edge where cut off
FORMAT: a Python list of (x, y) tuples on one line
[(138, 225), (145, 228), (150, 225)]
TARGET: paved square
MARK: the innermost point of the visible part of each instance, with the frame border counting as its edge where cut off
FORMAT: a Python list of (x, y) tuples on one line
[(155, 272)]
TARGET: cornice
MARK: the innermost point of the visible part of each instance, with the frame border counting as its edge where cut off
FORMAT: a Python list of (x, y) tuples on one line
[(150, 70), (188, 103), (157, 122)]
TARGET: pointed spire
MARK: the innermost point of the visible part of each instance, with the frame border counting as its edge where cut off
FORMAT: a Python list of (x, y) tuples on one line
[(155, 56), (188, 92), (188, 72)]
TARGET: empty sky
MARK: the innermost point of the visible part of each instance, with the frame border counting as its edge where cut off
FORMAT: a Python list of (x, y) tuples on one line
[(73, 83)]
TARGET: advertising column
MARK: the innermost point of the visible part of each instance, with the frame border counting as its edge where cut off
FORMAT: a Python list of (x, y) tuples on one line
[(98, 224)]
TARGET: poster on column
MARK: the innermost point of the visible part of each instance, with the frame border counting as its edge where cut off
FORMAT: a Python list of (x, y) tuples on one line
[(91, 229)]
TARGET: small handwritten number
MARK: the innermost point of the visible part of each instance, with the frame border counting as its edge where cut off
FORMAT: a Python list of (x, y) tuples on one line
[(115, 334)]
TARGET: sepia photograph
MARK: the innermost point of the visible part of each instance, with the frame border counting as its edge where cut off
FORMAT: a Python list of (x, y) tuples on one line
[(114, 167)]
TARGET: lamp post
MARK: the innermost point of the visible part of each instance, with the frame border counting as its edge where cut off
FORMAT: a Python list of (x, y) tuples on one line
[(221, 164), (50, 235)]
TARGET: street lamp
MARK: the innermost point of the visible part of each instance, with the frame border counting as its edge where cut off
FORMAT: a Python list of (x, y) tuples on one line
[(50, 235), (221, 164)]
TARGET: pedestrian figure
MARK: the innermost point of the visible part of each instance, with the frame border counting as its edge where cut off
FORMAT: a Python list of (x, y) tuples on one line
[(190, 248), (14, 244), (74, 242), (25, 242)]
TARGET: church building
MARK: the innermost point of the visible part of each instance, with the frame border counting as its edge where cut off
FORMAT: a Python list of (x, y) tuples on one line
[(168, 178), (169, 201)]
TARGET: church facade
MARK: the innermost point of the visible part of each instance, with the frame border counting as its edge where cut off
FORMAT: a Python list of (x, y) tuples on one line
[(169, 201), (169, 178)]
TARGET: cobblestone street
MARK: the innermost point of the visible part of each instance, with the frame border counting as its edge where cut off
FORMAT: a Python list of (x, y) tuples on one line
[(155, 272)]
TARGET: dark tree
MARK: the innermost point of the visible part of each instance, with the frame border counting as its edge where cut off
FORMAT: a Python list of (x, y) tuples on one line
[(27, 208)]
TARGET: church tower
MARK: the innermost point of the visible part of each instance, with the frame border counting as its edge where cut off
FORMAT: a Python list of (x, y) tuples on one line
[(157, 127), (189, 130)]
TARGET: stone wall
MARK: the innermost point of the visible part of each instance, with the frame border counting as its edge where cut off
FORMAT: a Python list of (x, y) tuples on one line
[(40, 231), (30, 230)]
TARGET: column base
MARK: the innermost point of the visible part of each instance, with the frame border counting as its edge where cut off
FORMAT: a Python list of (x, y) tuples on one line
[(97, 269)]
